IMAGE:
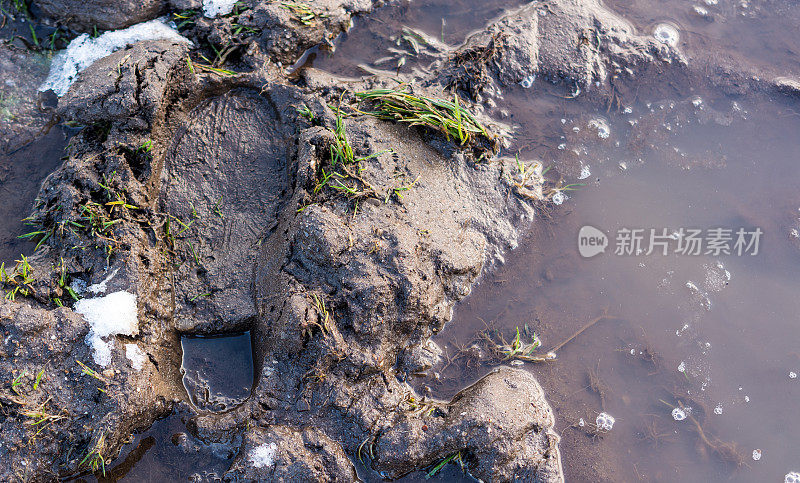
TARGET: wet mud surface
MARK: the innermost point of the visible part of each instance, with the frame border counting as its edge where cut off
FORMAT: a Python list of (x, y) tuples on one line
[(297, 266)]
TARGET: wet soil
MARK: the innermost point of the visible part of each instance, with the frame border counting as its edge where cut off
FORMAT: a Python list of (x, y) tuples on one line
[(313, 277)]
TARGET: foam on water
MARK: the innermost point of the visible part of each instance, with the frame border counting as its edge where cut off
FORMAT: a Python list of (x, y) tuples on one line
[(604, 422), (666, 34)]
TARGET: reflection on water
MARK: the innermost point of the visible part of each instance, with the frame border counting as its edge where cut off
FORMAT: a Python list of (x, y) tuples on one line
[(696, 365), (217, 371), (21, 174)]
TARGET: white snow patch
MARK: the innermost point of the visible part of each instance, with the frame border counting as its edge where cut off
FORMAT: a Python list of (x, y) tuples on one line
[(264, 455), (114, 314), (103, 286), (84, 51), (135, 355), (213, 8)]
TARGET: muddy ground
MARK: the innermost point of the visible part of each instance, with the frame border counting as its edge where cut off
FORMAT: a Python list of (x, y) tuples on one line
[(199, 187)]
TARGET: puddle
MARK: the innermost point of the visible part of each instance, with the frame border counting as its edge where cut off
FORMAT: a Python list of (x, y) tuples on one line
[(166, 451), (217, 371), (713, 333), (407, 37), (21, 175)]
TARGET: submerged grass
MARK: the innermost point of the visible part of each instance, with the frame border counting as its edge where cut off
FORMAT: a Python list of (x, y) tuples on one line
[(449, 117)]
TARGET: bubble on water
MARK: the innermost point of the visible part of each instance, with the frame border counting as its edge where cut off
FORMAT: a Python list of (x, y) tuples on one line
[(604, 422), (527, 82), (792, 477), (702, 11), (623, 165), (517, 362), (682, 367), (678, 414), (747, 399), (601, 126), (633, 352), (697, 101), (794, 233), (581, 423), (756, 454), (792, 375), (667, 34), (718, 409), (558, 198), (628, 110), (585, 172), (711, 2)]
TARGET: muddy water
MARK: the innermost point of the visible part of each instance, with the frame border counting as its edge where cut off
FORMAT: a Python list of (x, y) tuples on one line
[(728, 322), (21, 173), (408, 36), (217, 371), (163, 452)]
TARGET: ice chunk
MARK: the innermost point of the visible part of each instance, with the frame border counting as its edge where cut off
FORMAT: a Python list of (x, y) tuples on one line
[(264, 455), (84, 51), (114, 314), (214, 8)]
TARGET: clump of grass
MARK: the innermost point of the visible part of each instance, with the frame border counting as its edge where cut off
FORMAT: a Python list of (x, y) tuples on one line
[(184, 18), (20, 280), (344, 165), (302, 12), (453, 458), (306, 113), (449, 117), (94, 458)]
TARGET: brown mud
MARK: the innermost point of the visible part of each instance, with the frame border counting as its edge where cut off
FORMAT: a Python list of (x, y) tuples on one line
[(208, 181)]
